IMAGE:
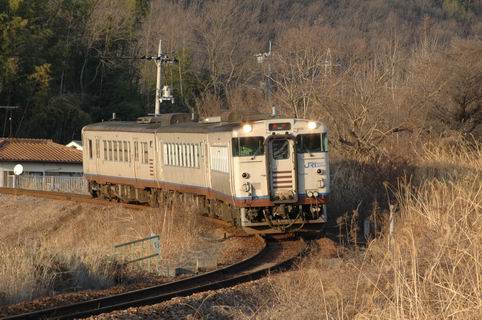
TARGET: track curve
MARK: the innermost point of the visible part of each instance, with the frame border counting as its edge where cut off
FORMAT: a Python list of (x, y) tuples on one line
[(275, 256)]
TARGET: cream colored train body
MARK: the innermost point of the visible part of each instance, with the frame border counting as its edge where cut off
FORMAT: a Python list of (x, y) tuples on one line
[(269, 175)]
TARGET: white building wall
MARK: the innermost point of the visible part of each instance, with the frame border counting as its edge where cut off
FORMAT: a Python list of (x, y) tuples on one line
[(44, 168)]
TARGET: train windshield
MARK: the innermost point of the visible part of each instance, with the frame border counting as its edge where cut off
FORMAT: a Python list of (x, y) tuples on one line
[(248, 146), (311, 143)]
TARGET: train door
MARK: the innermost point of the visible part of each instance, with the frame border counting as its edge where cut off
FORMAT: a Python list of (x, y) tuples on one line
[(281, 164)]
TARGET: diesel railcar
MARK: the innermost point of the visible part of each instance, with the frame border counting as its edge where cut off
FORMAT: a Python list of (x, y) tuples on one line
[(265, 174)]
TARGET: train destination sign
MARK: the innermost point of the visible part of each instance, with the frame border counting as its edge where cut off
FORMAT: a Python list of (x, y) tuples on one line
[(279, 126)]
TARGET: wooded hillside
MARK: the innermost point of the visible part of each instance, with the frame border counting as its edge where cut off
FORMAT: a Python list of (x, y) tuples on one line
[(369, 69)]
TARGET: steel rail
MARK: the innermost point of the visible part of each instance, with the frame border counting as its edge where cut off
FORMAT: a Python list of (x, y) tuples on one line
[(266, 261)]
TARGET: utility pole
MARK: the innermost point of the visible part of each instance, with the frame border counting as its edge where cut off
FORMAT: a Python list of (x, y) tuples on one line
[(8, 110), (157, 110), (163, 93), (261, 57)]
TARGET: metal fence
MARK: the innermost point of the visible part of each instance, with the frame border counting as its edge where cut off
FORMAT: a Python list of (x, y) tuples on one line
[(146, 252), (74, 184)]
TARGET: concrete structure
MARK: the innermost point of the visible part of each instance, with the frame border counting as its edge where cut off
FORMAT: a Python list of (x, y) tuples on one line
[(39, 158)]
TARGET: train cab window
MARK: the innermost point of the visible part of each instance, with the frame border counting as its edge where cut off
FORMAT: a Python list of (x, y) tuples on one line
[(308, 143), (90, 149), (280, 149), (248, 146)]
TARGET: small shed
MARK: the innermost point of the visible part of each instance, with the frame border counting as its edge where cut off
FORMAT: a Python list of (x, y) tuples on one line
[(77, 144), (40, 158)]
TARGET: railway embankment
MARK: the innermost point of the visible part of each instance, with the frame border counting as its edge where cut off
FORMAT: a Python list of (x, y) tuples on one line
[(54, 252)]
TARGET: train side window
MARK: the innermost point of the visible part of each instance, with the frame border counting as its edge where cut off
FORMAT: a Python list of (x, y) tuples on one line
[(196, 156), (145, 153), (105, 149), (126, 153), (115, 149), (181, 161), (97, 148), (186, 155), (143, 156), (136, 151), (121, 152), (90, 149), (308, 143), (141, 152), (164, 154), (173, 154), (248, 146), (189, 156), (129, 156), (110, 150), (177, 158)]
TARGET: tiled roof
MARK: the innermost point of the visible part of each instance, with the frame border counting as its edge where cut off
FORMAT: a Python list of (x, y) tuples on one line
[(37, 150)]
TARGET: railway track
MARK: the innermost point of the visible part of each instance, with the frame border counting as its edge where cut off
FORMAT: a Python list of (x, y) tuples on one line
[(276, 255)]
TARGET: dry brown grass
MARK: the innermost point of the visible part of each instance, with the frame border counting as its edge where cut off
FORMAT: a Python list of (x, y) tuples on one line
[(430, 267), (50, 246)]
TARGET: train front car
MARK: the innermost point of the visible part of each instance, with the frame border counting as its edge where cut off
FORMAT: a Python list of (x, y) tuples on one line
[(281, 174)]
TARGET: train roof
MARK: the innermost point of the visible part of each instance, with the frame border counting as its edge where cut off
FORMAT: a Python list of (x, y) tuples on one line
[(184, 127)]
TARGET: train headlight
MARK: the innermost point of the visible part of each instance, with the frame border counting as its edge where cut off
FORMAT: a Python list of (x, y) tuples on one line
[(310, 194), (245, 175), (311, 125), (315, 194), (247, 128), (320, 171)]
